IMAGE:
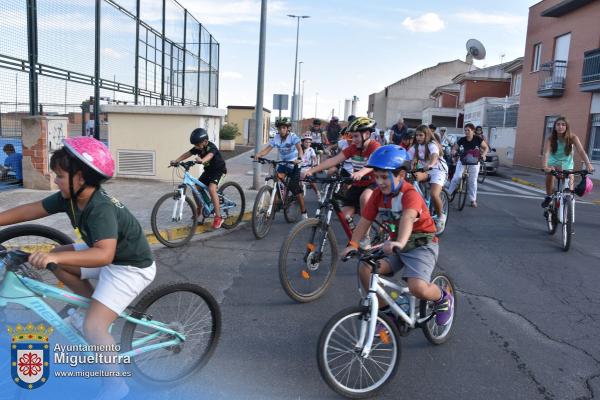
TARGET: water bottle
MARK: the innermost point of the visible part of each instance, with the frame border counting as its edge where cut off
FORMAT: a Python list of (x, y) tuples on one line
[(76, 319), (402, 300), (350, 222)]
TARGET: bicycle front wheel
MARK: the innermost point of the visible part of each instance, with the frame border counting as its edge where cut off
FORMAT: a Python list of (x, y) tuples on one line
[(567, 226), (233, 204), (339, 354), (169, 228), (307, 260), (183, 307), (445, 210), (261, 219), (435, 333), (551, 220), (462, 193)]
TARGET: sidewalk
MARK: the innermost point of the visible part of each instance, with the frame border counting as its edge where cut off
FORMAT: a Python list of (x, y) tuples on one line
[(139, 196), (536, 178)]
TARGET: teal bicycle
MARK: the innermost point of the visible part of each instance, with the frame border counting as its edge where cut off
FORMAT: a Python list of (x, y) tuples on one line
[(175, 215), (169, 334)]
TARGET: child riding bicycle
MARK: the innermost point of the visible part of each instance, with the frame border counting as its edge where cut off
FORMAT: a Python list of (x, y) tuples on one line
[(309, 160), (214, 168), (115, 250), (288, 144), (397, 202)]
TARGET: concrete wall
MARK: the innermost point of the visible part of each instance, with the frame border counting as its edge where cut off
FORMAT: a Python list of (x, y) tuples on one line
[(574, 104), (503, 140), (408, 97), (161, 131)]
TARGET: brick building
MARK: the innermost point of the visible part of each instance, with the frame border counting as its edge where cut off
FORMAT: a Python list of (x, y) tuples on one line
[(561, 76)]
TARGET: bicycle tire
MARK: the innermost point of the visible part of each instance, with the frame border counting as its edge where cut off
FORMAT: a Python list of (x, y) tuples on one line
[(482, 173), (551, 220), (325, 359), (150, 299), (235, 219), (169, 236), (462, 193), (445, 209), (291, 211), (8, 238), (261, 224), (567, 228), (308, 270), (430, 328)]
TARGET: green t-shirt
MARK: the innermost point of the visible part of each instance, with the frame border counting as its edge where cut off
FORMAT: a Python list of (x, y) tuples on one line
[(104, 217)]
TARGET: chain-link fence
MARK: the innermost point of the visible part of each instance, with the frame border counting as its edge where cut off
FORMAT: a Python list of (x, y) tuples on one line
[(66, 57)]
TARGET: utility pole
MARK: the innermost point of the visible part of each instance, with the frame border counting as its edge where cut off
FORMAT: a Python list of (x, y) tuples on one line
[(260, 86)]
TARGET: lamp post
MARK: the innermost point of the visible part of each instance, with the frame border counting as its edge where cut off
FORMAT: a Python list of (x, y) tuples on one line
[(260, 84), (301, 90), (294, 101), (298, 114)]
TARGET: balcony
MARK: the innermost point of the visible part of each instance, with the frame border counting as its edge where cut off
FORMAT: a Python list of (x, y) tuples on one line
[(590, 75), (552, 77)]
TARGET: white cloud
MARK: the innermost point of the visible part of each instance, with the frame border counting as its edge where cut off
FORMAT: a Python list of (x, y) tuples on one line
[(112, 53), (430, 22), (476, 17), (231, 75)]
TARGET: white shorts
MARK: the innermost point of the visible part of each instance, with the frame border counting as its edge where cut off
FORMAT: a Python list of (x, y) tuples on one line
[(118, 285), (437, 176)]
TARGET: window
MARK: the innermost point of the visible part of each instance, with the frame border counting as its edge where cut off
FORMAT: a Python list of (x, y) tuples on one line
[(537, 57), (516, 90), (549, 124), (561, 47), (594, 152)]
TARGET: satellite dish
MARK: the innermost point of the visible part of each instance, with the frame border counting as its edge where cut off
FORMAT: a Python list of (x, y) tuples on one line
[(475, 49)]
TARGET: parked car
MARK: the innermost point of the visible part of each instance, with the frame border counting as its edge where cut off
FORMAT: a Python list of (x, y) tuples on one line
[(492, 161)]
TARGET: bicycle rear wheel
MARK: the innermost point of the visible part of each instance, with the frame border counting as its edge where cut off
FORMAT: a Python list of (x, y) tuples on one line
[(462, 193), (304, 273), (551, 219), (340, 362), (482, 172), (435, 333), (173, 232), (261, 220), (291, 211), (233, 204), (186, 308), (567, 225)]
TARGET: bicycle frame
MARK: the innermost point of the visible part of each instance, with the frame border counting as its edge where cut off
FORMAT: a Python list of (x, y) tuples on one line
[(558, 199), (279, 187), (30, 293)]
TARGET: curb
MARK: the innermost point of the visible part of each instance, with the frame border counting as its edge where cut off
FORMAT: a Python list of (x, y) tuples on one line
[(177, 232), (526, 183)]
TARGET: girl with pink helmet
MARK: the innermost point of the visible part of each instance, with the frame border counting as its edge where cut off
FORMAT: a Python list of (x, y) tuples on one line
[(114, 249)]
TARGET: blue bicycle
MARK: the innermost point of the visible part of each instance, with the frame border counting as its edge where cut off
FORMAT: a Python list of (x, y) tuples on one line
[(175, 215), (169, 334)]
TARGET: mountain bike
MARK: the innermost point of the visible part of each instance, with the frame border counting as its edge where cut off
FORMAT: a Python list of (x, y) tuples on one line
[(309, 254), (463, 187), (561, 209), (424, 189), (175, 215), (271, 199), (169, 334), (359, 347)]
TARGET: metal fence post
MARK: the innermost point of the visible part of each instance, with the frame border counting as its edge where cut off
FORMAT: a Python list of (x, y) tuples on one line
[(162, 63), (97, 73), (137, 53), (209, 70), (32, 44), (199, 62), (184, 54)]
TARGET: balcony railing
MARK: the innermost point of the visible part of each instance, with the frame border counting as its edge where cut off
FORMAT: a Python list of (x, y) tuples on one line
[(590, 75), (552, 78)]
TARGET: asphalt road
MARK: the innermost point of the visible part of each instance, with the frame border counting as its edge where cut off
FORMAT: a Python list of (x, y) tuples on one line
[(526, 327)]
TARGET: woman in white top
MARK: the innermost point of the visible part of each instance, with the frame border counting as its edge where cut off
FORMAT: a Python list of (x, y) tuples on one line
[(425, 154)]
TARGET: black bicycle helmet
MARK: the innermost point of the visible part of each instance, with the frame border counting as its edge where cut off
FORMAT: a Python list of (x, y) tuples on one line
[(198, 135), (316, 121), (351, 118)]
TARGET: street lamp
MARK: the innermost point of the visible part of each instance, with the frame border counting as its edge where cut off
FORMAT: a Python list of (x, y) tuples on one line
[(298, 114), (294, 101)]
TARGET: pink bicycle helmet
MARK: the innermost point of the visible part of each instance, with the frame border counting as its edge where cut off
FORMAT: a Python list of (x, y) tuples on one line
[(307, 135), (584, 187), (92, 153)]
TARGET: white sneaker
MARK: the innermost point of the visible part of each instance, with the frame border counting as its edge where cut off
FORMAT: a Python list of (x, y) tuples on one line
[(365, 243), (304, 215), (440, 223)]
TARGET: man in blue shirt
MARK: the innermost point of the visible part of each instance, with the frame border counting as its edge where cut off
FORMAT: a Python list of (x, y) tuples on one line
[(13, 162), (290, 149)]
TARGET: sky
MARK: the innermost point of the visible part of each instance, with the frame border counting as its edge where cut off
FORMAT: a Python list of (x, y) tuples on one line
[(351, 47)]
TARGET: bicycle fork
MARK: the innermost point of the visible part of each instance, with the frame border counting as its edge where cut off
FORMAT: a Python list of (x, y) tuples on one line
[(179, 204), (368, 325)]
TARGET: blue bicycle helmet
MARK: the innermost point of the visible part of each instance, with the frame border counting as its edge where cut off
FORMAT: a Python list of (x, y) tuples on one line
[(390, 158)]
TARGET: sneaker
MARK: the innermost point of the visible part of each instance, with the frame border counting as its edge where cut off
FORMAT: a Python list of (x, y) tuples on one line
[(365, 243), (474, 204), (218, 221), (304, 215), (440, 223), (444, 309), (546, 202)]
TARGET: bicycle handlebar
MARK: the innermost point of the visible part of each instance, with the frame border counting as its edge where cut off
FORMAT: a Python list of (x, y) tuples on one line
[(185, 164), (333, 179), (582, 172), (18, 257), (262, 160)]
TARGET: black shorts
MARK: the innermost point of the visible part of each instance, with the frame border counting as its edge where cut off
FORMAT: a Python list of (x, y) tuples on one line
[(353, 194), (209, 177), (294, 174)]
